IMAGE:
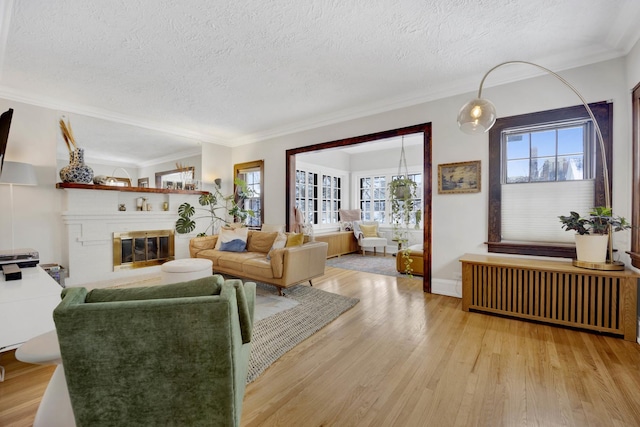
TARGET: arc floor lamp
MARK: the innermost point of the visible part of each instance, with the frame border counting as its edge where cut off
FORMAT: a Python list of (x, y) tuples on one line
[(479, 115)]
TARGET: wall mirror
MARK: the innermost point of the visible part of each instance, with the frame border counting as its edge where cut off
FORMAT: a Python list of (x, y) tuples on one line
[(109, 144)]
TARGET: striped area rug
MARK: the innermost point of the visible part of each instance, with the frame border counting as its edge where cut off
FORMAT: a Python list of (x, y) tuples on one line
[(279, 333)]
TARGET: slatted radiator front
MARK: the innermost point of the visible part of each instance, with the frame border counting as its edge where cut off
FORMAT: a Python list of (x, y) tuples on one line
[(568, 296)]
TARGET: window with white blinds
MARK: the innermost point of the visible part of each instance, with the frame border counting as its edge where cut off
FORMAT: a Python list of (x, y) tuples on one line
[(547, 171), (530, 211), (542, 165)]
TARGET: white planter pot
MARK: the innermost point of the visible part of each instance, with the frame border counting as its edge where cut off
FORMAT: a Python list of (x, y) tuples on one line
[(592, 248)]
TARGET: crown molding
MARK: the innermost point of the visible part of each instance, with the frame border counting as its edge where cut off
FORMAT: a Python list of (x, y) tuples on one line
[(98, 113), (557, 63)]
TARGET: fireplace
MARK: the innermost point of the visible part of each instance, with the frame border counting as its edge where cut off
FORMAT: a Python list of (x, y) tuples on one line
[(137, 249)]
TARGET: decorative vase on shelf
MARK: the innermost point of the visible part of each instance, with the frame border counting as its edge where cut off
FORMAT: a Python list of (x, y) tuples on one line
[(76, 171)]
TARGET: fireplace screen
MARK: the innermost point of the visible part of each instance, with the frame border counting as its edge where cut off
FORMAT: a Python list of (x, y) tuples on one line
[(137, 249)]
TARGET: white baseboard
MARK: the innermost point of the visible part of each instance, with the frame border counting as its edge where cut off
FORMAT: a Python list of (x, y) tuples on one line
[(450, 288)]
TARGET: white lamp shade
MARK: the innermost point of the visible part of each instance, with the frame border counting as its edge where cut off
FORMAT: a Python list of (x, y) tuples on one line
[(477, 116), (18, 173)]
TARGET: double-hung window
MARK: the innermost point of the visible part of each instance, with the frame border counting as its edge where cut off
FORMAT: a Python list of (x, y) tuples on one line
[(252, 173), (331, 198), (318, 195), (373, 194), (307, 195), (373, 197), (541, 166)]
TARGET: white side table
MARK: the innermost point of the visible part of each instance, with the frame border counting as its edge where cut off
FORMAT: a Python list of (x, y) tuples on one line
[(26, 307)]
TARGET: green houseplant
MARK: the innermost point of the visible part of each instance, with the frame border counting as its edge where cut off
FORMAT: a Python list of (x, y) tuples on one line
[(402, 193), (592, 231), (217, 207)]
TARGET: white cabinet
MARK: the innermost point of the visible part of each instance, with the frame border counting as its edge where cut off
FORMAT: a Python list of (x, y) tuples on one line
[(26, 306)]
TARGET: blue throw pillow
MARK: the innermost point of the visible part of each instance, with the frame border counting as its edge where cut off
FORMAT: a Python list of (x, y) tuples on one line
[(235, 245)]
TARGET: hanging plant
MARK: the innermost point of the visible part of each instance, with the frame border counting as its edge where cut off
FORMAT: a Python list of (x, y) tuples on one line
[(402, 193)]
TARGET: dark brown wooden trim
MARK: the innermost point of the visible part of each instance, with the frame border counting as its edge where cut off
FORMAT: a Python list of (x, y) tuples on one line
[(635, 176), (425, 128), (527, 248), (603, 111), (72, 185)]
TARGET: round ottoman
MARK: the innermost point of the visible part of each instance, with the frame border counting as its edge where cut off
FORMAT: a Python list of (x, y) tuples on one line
[(182, 270)]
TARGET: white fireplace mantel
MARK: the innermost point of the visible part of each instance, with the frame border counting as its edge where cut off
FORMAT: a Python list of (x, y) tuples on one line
[(91, 216)]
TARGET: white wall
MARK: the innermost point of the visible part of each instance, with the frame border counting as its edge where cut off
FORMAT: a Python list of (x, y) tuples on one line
[(333, 158), (386, 159), (460, 220), (37, 223)]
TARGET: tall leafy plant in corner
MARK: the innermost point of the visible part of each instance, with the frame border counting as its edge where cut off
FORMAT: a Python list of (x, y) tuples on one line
[(217, 208)]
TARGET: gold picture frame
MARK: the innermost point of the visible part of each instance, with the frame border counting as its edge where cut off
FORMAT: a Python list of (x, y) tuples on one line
[(461, 177)]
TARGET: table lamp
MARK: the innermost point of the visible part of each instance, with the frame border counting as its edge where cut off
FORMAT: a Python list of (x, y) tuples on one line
[(16, 173)]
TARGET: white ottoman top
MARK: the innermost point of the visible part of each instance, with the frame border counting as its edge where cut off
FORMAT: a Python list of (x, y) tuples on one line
[(186, 265)]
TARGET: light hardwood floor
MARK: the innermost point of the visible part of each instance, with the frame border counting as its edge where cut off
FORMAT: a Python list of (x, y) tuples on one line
[(404, 358)]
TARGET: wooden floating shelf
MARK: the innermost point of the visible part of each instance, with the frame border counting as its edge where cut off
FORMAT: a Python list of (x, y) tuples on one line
[(72, 185)]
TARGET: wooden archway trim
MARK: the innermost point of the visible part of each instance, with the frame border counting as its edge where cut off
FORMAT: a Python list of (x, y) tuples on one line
[(425, 128)]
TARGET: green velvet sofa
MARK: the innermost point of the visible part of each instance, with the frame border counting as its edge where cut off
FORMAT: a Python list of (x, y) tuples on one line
[(172, 355)]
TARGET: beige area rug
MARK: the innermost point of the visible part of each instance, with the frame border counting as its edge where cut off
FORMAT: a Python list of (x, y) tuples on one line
[(281, 322), (273, 336)]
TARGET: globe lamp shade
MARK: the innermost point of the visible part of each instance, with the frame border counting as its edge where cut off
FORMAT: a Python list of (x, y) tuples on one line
[(477, 116)]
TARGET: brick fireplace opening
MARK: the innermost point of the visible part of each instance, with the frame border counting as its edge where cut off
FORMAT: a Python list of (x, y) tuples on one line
[(137, 249)]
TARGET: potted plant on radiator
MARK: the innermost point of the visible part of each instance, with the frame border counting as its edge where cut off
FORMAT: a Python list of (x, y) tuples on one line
[(592, 232)]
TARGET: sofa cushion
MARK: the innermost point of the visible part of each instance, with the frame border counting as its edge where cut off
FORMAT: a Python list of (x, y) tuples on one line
[(258, 267), (294, 239), (369, 230), (204, 242), (233, 240), (279, 243), (261, 241), (211, 254), (272, 227), (234, 260), (346, 225), (205, 286)]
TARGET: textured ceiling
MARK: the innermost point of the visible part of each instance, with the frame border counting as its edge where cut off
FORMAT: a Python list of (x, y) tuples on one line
[(231, 72)]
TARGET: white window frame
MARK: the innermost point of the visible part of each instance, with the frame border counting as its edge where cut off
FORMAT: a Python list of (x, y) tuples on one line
[(388, 174), (317, 216)]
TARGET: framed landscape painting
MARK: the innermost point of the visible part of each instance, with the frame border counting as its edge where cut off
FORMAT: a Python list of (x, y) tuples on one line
[(463, 177)]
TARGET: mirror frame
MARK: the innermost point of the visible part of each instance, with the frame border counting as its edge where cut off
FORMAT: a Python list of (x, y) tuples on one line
[(259, 164), (160, 174)]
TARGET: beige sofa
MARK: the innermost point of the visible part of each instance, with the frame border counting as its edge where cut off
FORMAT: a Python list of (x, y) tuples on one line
[(285, 267)]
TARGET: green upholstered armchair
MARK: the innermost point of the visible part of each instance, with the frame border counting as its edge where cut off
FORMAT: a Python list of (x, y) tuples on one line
[(172, 355)]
